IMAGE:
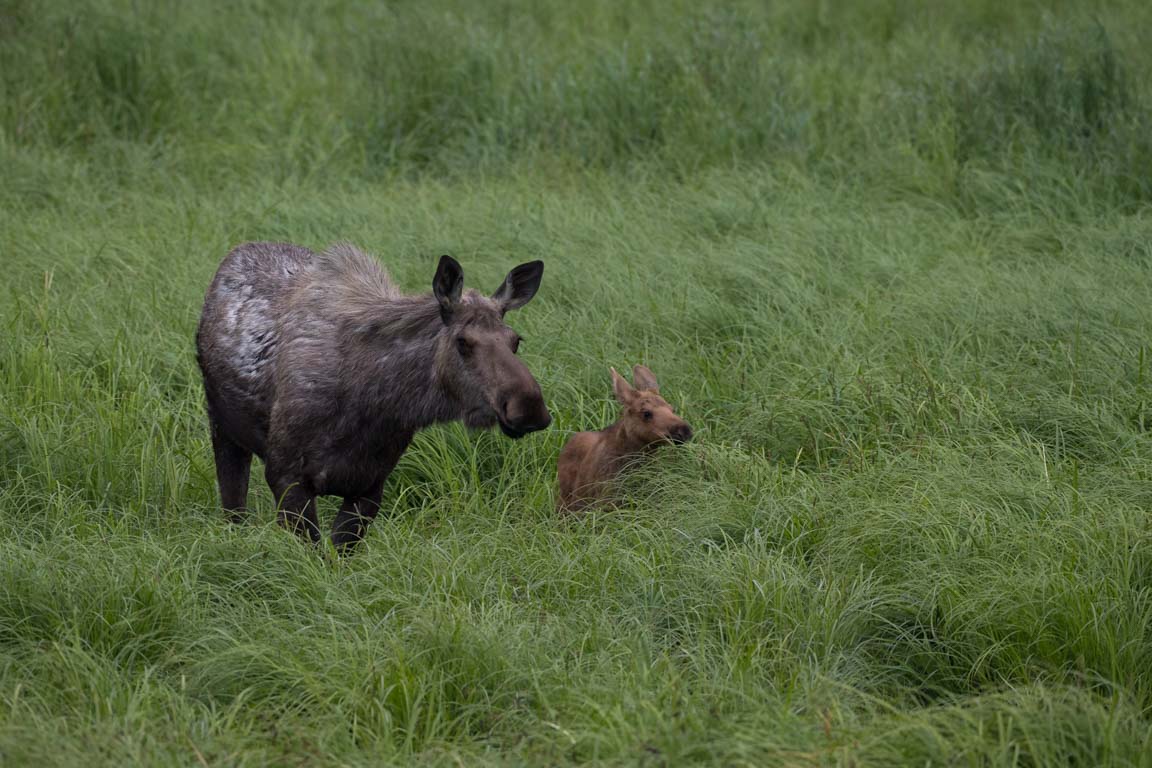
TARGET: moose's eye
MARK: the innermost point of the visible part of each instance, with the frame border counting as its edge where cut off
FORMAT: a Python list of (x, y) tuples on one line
[(647, 415), (463, 346)]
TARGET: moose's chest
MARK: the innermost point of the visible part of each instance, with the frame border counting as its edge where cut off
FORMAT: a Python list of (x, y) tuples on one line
[(352, 462)]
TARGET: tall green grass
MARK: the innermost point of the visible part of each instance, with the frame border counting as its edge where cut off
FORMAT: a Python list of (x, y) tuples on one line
[(889, 258), (342, 90)]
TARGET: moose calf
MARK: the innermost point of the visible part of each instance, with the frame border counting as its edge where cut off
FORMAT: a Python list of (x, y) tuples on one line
[(319, 365), (590, 461)]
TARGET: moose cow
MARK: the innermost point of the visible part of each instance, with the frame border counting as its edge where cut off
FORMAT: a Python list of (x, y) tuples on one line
[(319, 365)]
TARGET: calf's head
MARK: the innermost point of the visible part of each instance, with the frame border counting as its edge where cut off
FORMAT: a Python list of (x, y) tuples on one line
[(476, 351), (648, 418)]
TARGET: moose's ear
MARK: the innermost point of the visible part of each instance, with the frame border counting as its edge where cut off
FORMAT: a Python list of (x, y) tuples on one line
[(621, 388), (519, 286), (447, 285), (643, 378)]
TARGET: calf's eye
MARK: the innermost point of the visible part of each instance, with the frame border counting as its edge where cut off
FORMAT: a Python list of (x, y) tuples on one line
[(463, 346), (647, 415)]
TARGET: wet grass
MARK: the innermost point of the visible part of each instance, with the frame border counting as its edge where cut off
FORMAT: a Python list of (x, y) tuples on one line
[(889, 260)]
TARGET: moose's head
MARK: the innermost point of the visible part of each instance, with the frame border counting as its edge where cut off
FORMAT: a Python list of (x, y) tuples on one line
[(476, 350), (648, 419)]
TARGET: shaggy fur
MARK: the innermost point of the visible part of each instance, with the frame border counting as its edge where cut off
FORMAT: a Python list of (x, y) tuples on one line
[(590, 461), (319, 365)]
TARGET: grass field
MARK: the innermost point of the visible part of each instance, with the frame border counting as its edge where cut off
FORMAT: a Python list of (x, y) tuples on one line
[(891, 259)]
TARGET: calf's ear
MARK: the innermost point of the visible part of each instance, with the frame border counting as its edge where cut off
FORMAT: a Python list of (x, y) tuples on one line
[(447, 285), (621, 388), (643, 378), (519, 286)]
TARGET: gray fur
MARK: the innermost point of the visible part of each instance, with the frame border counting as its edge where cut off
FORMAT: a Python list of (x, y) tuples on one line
[(318, 364)]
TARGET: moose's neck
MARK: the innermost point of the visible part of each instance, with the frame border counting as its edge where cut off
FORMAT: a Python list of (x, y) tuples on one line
[(398, 376), (620, 442)]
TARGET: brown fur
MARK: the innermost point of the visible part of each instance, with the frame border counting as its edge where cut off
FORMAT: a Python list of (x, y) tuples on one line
[(319, 365), (590, 461)]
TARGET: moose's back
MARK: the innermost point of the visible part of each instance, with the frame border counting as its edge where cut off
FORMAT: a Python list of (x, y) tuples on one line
[(237, 339)]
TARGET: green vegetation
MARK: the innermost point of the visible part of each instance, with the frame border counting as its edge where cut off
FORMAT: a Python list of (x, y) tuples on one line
[(891, 259)]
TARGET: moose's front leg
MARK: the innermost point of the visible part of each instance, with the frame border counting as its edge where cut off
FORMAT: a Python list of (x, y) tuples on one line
[(297, 504), (359, 510), (353, 518)]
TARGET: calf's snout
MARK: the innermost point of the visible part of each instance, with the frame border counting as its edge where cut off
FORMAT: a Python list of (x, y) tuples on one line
[(681, 433)]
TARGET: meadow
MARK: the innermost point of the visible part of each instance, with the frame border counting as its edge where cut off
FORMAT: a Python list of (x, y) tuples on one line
[(890, 258)]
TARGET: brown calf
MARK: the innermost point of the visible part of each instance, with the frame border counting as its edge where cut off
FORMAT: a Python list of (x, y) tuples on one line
[(590, 461)]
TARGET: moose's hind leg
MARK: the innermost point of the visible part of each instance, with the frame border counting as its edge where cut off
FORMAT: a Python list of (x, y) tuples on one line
[(233, 465)]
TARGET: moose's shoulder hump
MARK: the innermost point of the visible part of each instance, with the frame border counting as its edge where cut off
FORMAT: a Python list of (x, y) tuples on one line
[(345, 263)]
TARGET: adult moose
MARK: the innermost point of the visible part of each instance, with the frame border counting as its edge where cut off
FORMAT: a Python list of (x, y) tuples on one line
[(319, 365)]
